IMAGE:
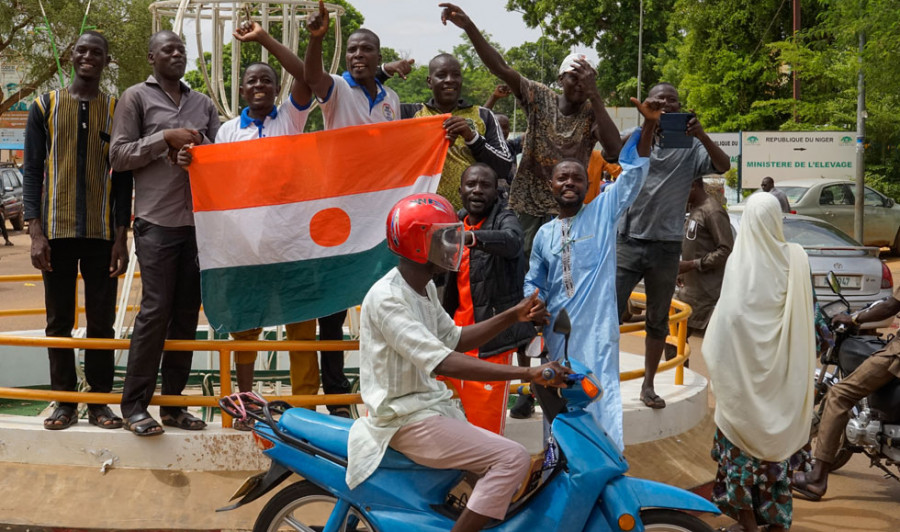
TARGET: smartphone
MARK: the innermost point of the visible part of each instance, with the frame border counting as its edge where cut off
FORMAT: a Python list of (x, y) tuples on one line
[(673, 130)]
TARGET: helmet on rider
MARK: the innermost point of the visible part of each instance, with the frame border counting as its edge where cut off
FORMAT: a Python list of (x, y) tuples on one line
[(424, 228)]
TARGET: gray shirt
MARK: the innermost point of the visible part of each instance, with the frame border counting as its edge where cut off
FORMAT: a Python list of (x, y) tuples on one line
[(162, 191), (782, 199), (658, 211)]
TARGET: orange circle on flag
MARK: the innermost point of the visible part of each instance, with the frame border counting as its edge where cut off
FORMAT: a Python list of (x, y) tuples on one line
[(330, 227)]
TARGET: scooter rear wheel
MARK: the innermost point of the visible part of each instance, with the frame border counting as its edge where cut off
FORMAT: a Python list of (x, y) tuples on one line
[(672, 521), (305, 506)]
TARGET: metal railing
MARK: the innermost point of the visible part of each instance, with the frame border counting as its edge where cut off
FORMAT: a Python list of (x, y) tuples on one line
[(678, 316)]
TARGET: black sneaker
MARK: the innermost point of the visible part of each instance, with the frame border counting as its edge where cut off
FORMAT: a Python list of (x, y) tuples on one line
[(524, 407)]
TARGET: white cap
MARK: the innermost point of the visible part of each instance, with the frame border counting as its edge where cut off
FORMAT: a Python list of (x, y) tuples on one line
[(568, 64)]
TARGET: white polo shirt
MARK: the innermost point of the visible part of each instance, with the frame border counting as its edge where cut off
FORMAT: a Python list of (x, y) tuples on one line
[(287, 119), (348, 104)]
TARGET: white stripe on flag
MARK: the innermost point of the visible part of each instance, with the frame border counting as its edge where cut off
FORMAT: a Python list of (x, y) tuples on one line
[(281, 233)]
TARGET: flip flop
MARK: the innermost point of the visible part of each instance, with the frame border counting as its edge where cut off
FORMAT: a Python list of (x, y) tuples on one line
[(142, 424), (652, 400), (66, 414)]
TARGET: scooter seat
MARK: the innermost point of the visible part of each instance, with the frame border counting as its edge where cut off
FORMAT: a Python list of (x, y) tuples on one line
[(330, 433)]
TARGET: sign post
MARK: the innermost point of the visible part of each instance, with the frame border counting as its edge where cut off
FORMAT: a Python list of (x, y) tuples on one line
[(796, 155)]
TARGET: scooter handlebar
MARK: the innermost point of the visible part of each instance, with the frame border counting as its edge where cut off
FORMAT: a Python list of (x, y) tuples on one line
[(571, 379)]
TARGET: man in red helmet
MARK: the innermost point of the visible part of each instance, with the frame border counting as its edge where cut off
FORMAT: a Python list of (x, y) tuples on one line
[(406, 339)]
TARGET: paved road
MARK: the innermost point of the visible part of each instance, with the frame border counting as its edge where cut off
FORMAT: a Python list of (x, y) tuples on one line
[(858, 497)]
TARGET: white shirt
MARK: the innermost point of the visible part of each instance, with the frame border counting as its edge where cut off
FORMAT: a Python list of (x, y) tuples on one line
[(348, 104), (403, 336), (287, 119)]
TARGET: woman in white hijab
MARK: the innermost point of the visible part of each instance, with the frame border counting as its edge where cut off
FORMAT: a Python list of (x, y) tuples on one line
[(760, 351)]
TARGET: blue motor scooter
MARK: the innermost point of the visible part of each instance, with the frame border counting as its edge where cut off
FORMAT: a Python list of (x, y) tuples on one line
[(581, 485)]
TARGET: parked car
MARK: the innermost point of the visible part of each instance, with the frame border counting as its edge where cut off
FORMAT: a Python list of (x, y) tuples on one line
[(863, 276), (11, 195), (833, 200)]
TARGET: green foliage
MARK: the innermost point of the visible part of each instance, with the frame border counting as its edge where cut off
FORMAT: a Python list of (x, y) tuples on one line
[(24, 40), (611, 27), (539, 60)]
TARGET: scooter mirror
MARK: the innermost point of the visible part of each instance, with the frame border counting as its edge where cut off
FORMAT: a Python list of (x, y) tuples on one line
[(562, 325), (833, 283)]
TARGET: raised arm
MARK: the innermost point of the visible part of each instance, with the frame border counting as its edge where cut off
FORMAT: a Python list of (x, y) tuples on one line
[(253, 32), (491, 57), (651, 110), (720, 160), (634, 159), (500, 92), (316, 78), (605, 130)]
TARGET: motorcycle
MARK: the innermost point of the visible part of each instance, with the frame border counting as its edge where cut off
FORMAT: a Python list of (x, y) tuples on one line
[(874, 425), (580, 484)]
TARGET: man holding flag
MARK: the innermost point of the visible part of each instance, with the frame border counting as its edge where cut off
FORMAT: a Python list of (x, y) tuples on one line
[(261, 118)]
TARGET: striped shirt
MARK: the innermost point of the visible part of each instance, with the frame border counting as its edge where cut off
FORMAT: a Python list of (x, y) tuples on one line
[(67, 180), (403, 337)]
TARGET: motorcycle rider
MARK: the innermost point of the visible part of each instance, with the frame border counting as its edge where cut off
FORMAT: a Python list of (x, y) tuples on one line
[(878, 370), (406, 339)]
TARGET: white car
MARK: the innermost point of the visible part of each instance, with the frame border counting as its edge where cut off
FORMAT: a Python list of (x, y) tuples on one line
[(833, 200)]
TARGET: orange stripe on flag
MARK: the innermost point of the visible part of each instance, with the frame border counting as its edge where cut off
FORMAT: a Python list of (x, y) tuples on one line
[(295, 168)]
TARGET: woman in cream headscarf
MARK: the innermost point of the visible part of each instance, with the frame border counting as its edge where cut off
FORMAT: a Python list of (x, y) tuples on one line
[(761, 357)]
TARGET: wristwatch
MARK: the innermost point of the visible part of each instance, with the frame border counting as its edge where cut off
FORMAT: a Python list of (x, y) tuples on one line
[(854, 318)]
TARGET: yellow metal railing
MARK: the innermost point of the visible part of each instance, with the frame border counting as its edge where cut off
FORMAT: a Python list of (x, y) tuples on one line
[(679, 314)]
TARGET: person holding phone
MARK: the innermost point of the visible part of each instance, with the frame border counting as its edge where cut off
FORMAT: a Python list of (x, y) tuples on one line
[(650, 232)]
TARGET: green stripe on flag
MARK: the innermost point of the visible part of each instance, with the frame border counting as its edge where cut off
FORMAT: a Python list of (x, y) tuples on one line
[(244, 297)]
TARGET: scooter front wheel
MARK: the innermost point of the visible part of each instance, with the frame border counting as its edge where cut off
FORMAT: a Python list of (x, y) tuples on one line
[(672, 521), (307, 507)]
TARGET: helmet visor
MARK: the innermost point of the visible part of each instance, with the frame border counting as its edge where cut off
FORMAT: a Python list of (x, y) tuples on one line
[(446, 245)]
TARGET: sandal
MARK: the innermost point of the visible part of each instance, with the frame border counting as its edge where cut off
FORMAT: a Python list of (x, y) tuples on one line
[(65, 415), (800, 484), (184, 420), (651, 399), (143, 425), (103, 417)]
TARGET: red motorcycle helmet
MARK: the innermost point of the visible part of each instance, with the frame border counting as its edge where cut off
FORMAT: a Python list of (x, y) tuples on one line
[(425, 228)]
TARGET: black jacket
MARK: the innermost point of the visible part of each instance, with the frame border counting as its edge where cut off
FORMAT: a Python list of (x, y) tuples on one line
[(496, 276)]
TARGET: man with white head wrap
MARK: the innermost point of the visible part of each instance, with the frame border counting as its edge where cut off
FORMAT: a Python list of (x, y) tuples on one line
[(760, 351), (560, 126)]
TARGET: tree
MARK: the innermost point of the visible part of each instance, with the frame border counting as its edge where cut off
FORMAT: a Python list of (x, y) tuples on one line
[(538, 61), (611, 27), (24, 40)]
